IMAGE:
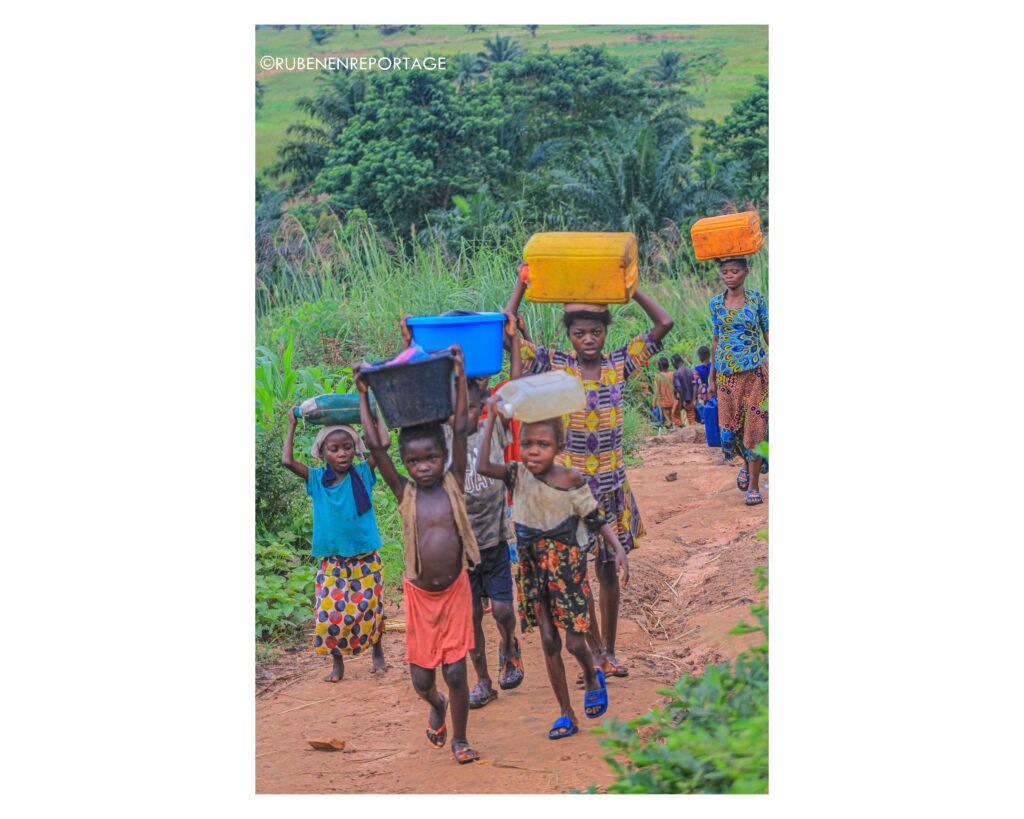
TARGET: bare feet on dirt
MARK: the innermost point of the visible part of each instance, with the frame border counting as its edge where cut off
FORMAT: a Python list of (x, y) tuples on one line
[(337, 670), (379, 664)]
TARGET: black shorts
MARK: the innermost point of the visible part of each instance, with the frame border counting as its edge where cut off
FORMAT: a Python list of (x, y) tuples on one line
[(493, 577)]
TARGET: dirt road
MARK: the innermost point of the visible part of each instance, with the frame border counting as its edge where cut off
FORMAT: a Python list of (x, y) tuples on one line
[(692, 580)]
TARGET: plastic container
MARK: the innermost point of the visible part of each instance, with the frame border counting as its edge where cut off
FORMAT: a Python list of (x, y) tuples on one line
[(479, 335), (326, 410), (538, 397), (597, 268), (735, 234), (416, 392), (711, 430)]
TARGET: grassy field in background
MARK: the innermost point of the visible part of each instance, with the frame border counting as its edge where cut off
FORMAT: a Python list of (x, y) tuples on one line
[(745, 49)]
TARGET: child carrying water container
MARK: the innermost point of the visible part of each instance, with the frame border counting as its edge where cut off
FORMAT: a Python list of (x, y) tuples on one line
[(593, 443), (555, 516), (349, 599), (439, 547), (487, 507)]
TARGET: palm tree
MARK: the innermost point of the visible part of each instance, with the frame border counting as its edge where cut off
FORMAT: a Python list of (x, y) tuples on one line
[(303, 156), (467, 69), (500, 49), (666, 69), (629, 179), (320, 34)]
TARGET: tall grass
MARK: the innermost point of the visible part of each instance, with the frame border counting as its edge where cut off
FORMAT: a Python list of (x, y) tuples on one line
[(355, 284)]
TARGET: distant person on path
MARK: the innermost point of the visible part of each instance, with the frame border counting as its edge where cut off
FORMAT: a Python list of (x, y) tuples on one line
[(739, 371), (703, 371), (593, 443), (439, 547), (348, 604), (684, 383), (666, 394)]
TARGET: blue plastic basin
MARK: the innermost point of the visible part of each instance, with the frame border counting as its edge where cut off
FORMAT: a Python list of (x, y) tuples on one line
[(479, 335)]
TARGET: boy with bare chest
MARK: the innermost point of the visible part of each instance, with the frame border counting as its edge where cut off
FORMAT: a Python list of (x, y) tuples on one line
[(439, 548)]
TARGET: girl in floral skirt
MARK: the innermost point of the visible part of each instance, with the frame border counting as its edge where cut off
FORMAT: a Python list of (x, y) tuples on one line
[(555, 516), (349, 599)]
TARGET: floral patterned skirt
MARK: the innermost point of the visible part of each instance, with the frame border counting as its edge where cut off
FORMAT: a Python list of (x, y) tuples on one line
[(744, 422), (554, 574), (349, 604)]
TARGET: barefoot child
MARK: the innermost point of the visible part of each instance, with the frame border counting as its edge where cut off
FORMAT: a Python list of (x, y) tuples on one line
[(555, 515), (666, 395), (349, 603), (439, 547), (594, 438)]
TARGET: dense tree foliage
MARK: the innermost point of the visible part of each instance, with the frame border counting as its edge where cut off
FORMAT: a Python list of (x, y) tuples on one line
[(566, 139), (743, 138)]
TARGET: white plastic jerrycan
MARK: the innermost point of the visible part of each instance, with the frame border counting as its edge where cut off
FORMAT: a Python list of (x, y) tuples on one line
[(543, 396)]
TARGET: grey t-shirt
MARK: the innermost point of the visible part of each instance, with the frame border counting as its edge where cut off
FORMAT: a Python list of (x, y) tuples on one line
[(485, 497)]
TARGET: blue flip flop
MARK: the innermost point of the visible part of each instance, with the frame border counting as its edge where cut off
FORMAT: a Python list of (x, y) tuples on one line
[(596, 698), (561, 728)]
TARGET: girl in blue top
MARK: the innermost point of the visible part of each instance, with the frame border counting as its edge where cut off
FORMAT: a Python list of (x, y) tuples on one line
[(349, 600)]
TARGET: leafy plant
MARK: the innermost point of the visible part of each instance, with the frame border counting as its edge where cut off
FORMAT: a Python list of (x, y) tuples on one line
[(284, 588), (711, 735)]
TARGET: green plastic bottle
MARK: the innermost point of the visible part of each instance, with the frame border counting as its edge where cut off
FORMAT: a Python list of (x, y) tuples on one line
[(334, 408)]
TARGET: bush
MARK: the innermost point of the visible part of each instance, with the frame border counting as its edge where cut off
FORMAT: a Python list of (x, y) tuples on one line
[(711, 736)]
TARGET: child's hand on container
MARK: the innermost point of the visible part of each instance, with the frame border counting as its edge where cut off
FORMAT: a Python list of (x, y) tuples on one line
[(357, 373), (460, 365), (406, 332), (293, 419), (511, 324)]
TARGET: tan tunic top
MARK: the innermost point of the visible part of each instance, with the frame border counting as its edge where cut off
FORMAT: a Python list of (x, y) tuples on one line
[(407, 509), (541, 510)]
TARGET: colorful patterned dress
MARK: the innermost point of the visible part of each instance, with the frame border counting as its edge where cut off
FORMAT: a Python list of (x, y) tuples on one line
[(594, 436), (553, 528), (741, 372)]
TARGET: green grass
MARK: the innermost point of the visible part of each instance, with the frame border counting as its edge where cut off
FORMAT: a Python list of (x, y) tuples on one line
[(745, 49)]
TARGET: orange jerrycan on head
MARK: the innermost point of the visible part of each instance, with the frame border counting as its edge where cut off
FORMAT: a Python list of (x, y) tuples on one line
[(597, 268), (735, 234)]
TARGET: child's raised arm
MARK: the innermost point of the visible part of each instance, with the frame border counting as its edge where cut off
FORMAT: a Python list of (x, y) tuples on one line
[(460, 421), (661, 320), (517, 297), (377, 438), (516, 357), (288, 452), (483, 455)]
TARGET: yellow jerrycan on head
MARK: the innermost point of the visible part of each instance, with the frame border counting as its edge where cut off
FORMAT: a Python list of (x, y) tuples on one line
[(598, 268)]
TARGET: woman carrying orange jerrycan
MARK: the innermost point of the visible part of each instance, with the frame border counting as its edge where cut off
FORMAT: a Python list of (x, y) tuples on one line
[(739, 372), (593, 444)]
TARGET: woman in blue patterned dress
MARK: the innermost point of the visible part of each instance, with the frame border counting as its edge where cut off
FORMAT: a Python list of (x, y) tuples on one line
[(739, 372)]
